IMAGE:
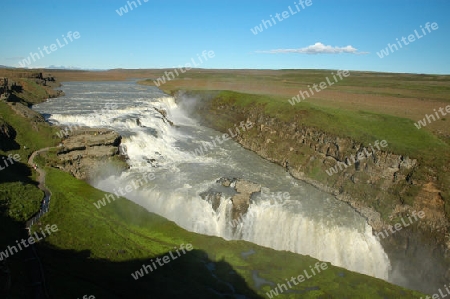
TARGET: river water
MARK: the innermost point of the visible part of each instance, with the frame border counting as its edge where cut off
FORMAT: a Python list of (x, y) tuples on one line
[(309, 222)]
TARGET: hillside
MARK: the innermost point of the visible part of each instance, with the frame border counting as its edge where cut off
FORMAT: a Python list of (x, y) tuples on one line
[(95, 251), (315, 139)]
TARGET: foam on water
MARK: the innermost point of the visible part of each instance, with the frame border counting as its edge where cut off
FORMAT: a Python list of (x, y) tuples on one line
[(311, 222)]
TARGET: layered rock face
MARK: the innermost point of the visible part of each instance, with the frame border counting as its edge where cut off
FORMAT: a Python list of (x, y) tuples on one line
[(27, 113), (7, 136), (240, 190), (9, 87), (378, 177), (86, 150), (6, 130), (381, 186)]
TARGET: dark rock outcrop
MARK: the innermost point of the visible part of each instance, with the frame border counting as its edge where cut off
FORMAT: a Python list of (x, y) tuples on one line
[(86, 150), (7, 136), (27, 113), (383, 187), (14, 89), (164, 116), (240, 191)]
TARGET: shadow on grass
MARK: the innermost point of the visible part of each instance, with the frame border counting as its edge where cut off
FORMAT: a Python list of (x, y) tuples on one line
[(13, 283), (13, 98), (190, 275), (8, 144), (17, 172)]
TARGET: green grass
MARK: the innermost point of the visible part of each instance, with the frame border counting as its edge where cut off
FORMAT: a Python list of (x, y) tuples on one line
[(95, 251), (23, 200), (20, 198), (103, 247), (33, 135), (366, 127), (402, 137), (32, 93), (428, 87)]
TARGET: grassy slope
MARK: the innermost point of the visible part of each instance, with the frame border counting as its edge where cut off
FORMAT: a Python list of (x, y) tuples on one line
[(401, 95), (358, 107), (19, 196), (95, 252), (402, 136)]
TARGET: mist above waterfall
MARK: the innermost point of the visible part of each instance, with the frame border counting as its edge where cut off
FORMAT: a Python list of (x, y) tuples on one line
[(310, 222)]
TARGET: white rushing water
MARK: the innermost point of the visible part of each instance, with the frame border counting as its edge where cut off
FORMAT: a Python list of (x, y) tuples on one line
[(310, 222)]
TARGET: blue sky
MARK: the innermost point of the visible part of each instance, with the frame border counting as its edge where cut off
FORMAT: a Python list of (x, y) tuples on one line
[(169, 33)]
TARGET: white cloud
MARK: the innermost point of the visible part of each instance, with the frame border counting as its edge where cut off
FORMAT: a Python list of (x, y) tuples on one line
[(317, 48)]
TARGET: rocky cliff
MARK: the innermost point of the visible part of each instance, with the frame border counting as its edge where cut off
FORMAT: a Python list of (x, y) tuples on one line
[(85, 153), (382, 186), (88, 153), (28, 87), (7, 136)]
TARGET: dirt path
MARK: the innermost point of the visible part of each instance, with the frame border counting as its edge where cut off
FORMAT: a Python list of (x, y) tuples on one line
[(36, 271), (41, 172)]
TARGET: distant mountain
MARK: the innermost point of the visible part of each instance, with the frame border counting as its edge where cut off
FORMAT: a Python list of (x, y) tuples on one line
[(73, 68), (61, 67)]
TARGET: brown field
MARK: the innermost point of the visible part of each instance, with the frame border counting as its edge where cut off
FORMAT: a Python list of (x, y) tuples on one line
[(402, 95)]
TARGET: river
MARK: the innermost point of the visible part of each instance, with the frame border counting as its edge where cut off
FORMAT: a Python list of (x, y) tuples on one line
[(309, 222)]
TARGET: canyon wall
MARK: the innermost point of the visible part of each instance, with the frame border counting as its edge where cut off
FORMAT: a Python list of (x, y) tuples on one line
[(382, 186)]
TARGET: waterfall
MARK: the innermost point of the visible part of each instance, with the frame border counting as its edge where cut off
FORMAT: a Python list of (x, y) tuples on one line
[(311, 222)]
